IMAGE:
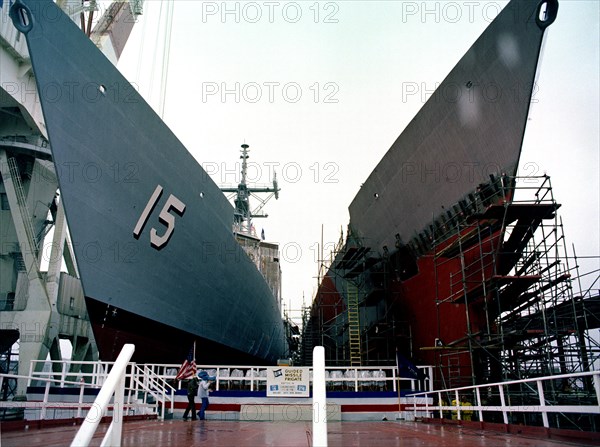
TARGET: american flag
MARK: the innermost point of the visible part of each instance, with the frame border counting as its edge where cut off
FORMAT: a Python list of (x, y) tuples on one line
[(188, 368)]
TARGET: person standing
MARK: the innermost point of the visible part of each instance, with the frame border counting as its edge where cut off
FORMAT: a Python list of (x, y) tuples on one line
[(203, 392), (192, 390), (467, 415)]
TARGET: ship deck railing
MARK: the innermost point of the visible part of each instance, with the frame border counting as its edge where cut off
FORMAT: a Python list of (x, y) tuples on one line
[(357, 378), (159, 379), (570, 394), (61, 393)]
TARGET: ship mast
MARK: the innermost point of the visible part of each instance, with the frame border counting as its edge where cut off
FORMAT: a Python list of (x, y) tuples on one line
[(243, 214)]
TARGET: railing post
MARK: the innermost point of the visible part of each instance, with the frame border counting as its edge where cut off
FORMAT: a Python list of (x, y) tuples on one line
[(113, 436), (45, 402), (172, 397), (430, 379), (540, 389), (30, 373), (94, 380), (115, 381), (63, 374), (596, 378), (457, 405), (81, 393), (503, 404), (319, 438), (478, 393)]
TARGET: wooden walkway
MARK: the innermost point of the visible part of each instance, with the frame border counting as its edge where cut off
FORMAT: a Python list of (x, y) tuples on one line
[(232, 433)]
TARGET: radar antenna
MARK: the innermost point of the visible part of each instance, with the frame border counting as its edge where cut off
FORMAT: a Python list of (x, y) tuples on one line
[(243, 214)]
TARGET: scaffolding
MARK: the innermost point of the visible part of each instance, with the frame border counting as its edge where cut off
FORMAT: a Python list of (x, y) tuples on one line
[(352, 315), (493, 274), (331, 317), (508, 263)]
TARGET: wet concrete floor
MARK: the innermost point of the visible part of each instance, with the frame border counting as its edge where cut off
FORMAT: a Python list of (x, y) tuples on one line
[(233, 433)]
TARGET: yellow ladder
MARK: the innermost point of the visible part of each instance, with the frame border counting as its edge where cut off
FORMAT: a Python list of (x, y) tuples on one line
[(353, 324)]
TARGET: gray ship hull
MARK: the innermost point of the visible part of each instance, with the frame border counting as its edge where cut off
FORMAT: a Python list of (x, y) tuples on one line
[(152, 231), (471, 127)]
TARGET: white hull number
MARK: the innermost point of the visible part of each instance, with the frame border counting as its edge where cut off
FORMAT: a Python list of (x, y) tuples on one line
[(165, 217)]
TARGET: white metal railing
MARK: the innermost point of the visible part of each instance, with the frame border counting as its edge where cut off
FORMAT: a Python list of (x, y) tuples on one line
[(252, 377), (141, 384), (246, 377), (70, 408), (358, 378), (96, 377), (156, 386), (114, 385), (44, 405), (543, 405), (151, 388), (142, 379)]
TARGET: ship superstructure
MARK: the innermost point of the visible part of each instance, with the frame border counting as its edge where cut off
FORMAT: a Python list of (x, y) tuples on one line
[(264, 254)]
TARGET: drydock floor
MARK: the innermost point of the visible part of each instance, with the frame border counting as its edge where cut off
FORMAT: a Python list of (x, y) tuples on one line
[(231, 433)]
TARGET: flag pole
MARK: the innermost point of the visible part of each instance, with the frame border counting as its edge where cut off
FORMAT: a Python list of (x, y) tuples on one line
[(194, 359), (398, 378), (399, 406)]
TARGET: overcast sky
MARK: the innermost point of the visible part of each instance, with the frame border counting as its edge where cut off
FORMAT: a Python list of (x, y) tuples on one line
[(320, 90)]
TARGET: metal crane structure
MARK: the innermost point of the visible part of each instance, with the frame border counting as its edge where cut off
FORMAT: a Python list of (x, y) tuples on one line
[(40, 303)]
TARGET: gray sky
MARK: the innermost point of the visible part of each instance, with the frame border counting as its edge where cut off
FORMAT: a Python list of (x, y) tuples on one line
[(320, 90)]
